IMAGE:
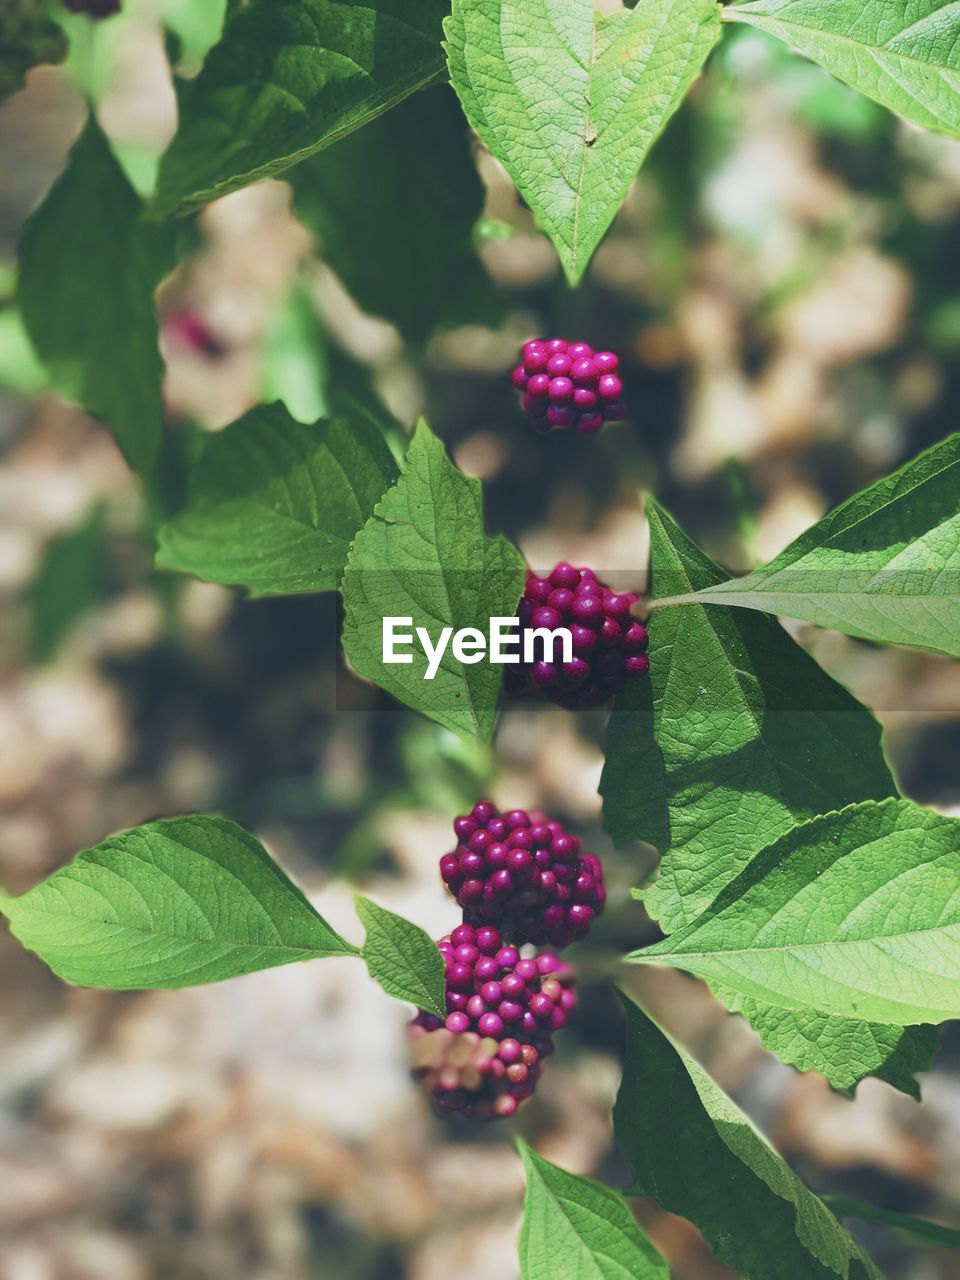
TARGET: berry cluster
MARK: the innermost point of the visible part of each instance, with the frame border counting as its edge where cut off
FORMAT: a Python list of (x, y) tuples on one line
[(525, 872), (609, 646), (520, 878), (486, 1057), (568, 385), (95, 8)]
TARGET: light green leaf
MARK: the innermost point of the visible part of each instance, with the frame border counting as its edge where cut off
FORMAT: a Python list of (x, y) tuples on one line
[(398, 256), (274, 505), (288, 78), (737, 736), (578, 1229), (845, 1050), (696, 1154), (402, 958), (173, 903), (99, 343), (423, 554), (855, 914), (885, 565), (572, 113), (905, 55)]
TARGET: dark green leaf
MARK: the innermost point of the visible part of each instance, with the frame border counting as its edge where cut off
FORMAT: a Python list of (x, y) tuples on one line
[(68, 583), (173, 903), (423, 554), (410, 257), (403, 959), (578, 1229), (738, 736), (288, 78), (88, 269), (28, 38), (696, 1154), (274, 504)]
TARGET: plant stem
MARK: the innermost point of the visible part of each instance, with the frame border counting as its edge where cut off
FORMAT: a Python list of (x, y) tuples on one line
[(932, 1232)]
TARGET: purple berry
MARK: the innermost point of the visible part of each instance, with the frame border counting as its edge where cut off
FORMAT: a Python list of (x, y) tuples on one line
[(564, 575), (609, 387), (561, 415), (587, 610)]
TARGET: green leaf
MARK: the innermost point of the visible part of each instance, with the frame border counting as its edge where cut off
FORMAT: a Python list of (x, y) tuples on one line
[(905, 56), (572, 113), (88, 269), (398, 257), (423, 554), (274, 504), (170, 904), (737, 736), (29, 37), (845, 1050), (578, 1229), (696, 1154), (885, 565), (68, 583), (403, 958), (855, 913), (288, 78)]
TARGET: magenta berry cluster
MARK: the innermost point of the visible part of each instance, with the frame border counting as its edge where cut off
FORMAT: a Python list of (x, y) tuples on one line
[(567, 385), (608, 645), (521, 879), (524, 872), (485, 1058)]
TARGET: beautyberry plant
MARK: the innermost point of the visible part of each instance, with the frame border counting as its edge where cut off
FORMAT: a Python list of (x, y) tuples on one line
[(812, 898)]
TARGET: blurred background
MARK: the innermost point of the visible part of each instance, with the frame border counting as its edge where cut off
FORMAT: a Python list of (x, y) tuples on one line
[(783, 285)]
